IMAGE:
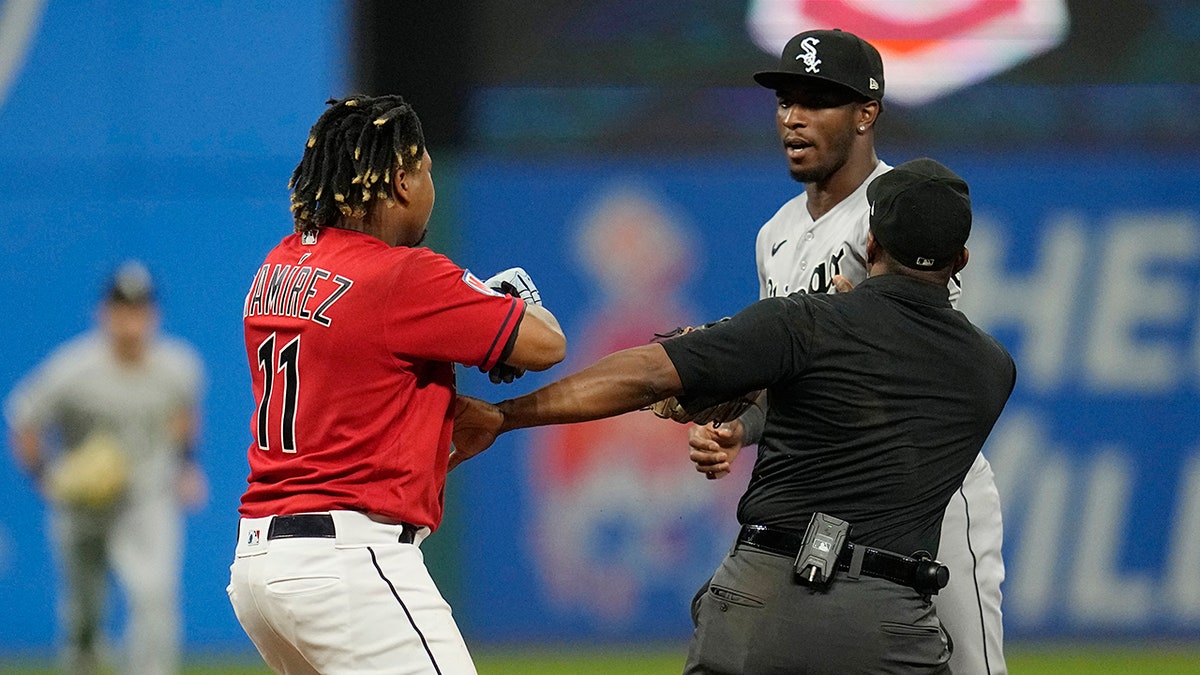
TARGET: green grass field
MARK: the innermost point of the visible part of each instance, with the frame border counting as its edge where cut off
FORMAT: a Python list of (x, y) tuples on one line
[(1022, 660)]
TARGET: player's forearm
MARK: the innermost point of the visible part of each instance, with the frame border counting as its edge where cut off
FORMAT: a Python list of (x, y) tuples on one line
[(27, 446), (618, 383), (184, 430)]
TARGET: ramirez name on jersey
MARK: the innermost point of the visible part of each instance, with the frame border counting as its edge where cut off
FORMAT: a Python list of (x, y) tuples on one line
[(288, 290)]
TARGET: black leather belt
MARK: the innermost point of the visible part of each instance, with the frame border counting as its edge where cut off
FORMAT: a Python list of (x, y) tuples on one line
[(926, 576), (320, 525)]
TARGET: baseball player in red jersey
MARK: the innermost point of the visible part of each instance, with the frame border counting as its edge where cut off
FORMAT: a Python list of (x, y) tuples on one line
[(352, 332), (830, 88)]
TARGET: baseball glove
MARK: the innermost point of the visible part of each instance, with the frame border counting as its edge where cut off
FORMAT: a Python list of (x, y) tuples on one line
[(670, 409), (516, 282), (94, 474)]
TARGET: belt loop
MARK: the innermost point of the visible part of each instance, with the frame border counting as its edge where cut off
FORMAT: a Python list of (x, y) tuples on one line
[(856, 562)]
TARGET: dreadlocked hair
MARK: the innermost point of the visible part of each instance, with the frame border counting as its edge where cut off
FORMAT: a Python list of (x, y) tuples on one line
[(353, 151)]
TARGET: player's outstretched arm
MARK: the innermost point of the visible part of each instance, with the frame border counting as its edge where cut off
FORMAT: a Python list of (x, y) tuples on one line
[(621, 382), (27, 448)]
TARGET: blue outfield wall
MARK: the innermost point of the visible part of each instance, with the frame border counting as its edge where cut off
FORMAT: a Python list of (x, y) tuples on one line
[(1087, 268)]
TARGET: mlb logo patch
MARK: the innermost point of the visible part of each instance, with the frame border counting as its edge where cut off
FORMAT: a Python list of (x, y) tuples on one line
[(253, 537), (475, 283)]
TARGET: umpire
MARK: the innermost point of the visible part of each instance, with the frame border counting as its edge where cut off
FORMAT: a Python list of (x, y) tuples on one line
[(880, 399), (890, 395)]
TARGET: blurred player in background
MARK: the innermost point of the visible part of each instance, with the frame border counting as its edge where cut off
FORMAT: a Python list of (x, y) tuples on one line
[(830, 90), (106, 426), (352, 332)]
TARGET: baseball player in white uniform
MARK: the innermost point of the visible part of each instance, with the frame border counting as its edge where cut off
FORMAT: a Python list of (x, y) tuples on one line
[(830, 85), (121, 401)]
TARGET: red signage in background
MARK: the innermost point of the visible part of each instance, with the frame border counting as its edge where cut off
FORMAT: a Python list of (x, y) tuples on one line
[(930, 48), (615, 501)]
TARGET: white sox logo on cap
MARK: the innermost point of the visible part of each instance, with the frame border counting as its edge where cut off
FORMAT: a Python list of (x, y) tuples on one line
[(809, 55)]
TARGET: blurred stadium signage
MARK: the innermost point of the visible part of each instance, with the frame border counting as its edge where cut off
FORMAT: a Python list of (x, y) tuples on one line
[(1097, 458), (930, 48)]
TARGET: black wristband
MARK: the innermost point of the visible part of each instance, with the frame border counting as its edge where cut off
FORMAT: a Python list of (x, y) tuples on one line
[(753, 421)]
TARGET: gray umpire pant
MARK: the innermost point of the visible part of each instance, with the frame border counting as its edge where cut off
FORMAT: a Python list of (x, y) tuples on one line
[(752, 618)]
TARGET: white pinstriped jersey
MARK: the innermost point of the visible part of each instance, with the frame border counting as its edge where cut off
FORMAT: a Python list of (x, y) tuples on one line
[(795, 253)]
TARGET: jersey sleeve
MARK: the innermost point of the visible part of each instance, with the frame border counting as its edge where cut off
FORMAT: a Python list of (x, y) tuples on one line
[(760, 260), (763, 344), (442, 312), (37, 399), (186, 368)]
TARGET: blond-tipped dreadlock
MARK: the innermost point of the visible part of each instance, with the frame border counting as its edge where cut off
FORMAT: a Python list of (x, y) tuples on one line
[(353, 151)]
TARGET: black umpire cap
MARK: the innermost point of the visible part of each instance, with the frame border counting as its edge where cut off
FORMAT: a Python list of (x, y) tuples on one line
[(831, 56), (920, 214)]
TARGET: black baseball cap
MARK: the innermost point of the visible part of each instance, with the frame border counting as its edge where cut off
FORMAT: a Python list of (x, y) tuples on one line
[(130, 284), (920, 214), (829, 55)]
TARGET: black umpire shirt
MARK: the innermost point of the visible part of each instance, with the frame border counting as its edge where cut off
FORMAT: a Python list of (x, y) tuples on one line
[(879, 401)]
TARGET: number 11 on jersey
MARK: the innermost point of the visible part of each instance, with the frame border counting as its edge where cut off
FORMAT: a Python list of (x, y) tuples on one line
[(270, 362)]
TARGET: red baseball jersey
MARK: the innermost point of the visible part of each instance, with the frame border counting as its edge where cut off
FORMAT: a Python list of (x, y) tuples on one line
[(352, 345)]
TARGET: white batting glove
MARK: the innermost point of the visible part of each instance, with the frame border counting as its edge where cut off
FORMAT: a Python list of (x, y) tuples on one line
[(516, 282)]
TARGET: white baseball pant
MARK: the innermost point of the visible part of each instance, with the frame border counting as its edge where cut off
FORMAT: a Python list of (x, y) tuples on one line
[(358, 602), (969, 606)]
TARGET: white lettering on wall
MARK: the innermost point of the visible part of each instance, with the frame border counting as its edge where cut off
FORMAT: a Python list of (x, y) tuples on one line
[(1106, 302), (1181, 593), (1101, 592), (1033, 481), (1039, 300), (1139, 294), (1068, 538)]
